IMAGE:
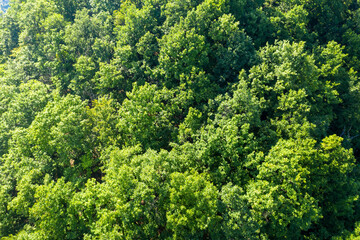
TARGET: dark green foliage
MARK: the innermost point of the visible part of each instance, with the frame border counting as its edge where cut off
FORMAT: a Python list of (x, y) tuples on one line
[(180, 119)]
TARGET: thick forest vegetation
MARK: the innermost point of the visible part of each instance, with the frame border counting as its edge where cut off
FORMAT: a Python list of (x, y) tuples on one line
[(180, 119)]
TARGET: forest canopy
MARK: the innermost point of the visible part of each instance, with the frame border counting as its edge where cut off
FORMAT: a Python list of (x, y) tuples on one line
[(180, 119)]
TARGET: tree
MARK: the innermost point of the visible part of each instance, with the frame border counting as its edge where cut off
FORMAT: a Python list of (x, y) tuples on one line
[(192, 205), (291, 89), (66, 145), (297, 189), (49, 212), (23, 103), (145, 116), (208, 42), (225, 146)]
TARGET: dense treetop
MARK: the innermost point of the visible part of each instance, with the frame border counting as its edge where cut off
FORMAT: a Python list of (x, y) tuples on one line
[(180, 119)]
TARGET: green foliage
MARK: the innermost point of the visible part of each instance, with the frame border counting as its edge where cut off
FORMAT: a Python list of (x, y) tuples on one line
[(226, 146), (9, 34), (9, 221), (103, 119), (209, 43), (299, 186), (336, 189), (188, 119), (130, 203), (293, 90), (192, 205), (149, 116), (68, 142), (238, 221), (49, 212), (279, 198), (22, 104)]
